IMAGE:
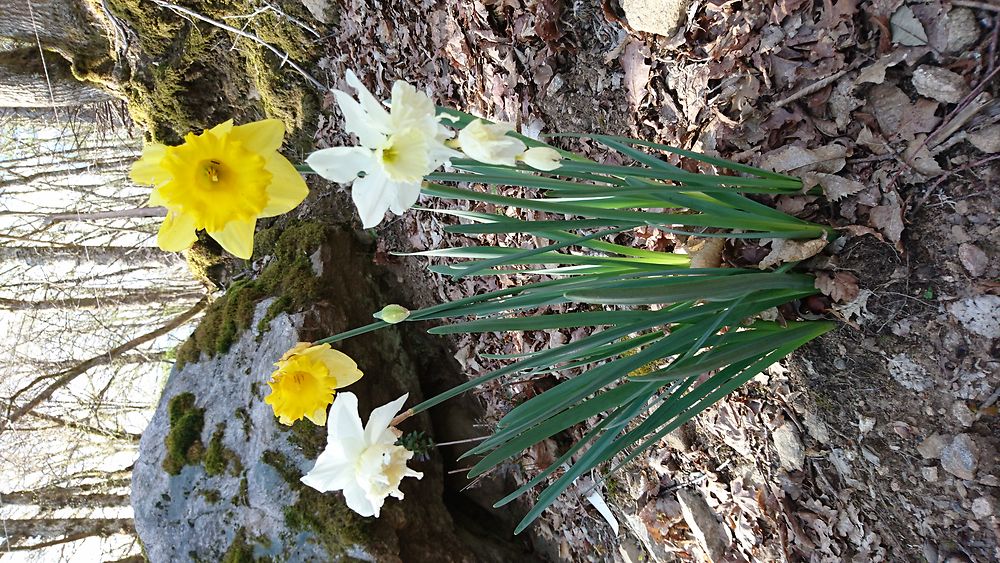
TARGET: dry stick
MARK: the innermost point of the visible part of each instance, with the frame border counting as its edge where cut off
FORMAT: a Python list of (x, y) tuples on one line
[(72, 373), (812, 88), (78, 216), (285, 57)]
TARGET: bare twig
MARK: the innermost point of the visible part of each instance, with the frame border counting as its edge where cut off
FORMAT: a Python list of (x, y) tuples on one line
[(812, 88), (118, 214), (285, 57), (975, 4)]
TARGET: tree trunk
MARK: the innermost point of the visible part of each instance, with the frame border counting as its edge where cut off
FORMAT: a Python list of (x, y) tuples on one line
[(53, 498), (114, 300), (51, 531), (25, 83), (91, 255), (66, 26)]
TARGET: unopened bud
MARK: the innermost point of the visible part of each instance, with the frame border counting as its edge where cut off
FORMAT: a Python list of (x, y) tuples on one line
[(393, 314)]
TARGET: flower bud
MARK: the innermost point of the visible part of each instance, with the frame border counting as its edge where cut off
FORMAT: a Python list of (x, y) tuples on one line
[(541, 158), (393, 314)]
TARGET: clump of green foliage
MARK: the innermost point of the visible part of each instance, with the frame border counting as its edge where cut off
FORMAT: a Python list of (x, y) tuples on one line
[(184, 439), (212, 496), (218, 456), (335, 525), (288, 277), (240, 551)]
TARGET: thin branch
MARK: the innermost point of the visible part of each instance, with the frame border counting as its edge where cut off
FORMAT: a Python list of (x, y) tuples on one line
[(285, 57), (116, 434)]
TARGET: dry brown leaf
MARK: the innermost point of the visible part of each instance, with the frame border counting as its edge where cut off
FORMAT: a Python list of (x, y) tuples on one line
[(875, 72), (839, 286), (918, 157), (633, 61), (888, 104), (785, 250), (836, 187), (888, 218), (826, 159), (906, 28)]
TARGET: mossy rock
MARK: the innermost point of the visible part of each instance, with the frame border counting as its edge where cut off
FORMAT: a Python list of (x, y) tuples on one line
[(288, 277)]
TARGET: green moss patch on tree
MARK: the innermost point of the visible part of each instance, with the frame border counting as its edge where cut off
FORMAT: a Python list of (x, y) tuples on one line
[(183, 76), (288, 277), (183, 442), (326, 516)]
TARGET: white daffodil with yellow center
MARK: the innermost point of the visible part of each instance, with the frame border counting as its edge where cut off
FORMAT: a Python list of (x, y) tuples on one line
[(365, 463), (221, 181), (398, 148)]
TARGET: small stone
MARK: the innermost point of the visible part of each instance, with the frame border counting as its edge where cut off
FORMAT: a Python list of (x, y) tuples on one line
[(909, 374), (986, 139), (932, 447), (681, 438), (713, 537), (939, 84), (979, 314), (963, 413), (973, 258), (983, 507), (662, 17), (791, 453), (960, 458), (930, 474), (963, 30)]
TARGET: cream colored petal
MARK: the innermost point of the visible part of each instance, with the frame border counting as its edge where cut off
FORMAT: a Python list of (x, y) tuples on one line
[(341, 164), (375, 109), (358, 501), (236, 237), (358, 121), (344, 426), (329, 474), (542, 158), (410, 107), (261, 137), (148, 170), (380, 418), (287, 188), (405, 194), (177, 232)]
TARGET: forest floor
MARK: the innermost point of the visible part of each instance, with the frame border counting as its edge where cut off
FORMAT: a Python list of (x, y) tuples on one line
[(878, 441)]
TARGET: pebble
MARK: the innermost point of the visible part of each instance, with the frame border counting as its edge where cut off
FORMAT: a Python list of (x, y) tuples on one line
[(983, 507), (662, 17), (939, 84), (962, 413), (932, 447), (704, 524), (963, 30), (791, 453), (973, 259), (930, 474), (979, 314), (960, 458)]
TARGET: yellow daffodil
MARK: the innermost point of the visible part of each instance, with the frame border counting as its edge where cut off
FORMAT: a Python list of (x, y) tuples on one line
[(364, 463), (304, 383), (490, 143), (221, 181), (398, 148)]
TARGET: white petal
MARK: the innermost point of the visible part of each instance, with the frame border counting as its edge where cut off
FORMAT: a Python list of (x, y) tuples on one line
[(372, 195), (358, 501), (344, 425), (328, 476), (379, 420), (341, 164), (359, 121), (376, 111), (542, 158), (406, 194)]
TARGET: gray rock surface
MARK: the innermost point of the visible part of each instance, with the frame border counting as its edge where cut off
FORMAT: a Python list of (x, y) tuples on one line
[(712, 536), (963, 30), (961, 457), (791, 453)]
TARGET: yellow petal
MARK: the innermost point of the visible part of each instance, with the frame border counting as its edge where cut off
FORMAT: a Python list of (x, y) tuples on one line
[(177, 232), (318, 417), (148, 169), (340, 365), (261, 137), (236, 237), (222, 129), (287, 188)]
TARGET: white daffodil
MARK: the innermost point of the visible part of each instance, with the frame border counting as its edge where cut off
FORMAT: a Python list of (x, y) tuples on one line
[(398, 148), (364, 463)]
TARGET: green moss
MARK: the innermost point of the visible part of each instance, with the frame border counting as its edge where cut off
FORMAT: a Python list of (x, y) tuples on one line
[(184, 439), (288, 277), (186, 77), (242, 497), (310, 438), (218, 457), (212, 496), (240, 551), (326, 516)]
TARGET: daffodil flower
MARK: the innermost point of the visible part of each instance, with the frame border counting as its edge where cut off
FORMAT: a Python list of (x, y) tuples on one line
[(490, 143), (221, 181), (398, 148), (364, 463), (304, 383)]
